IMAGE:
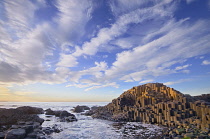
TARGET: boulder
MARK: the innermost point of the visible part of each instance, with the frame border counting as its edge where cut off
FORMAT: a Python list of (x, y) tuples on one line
[(16, 134), (49, 112), (70, 119), (63, 115), (22, 114), (93, 108), (2, 134), (79, 109), (89, 113), (30, 110)]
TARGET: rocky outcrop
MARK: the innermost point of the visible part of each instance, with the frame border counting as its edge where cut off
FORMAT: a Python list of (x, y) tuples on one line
[(20, 123), (26, 113), (205, 97), (79, 109), (156, 103), (63, 115), (92, 110), (30, 110)]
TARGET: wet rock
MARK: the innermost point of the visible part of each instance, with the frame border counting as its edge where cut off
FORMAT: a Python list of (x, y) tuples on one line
[(93, 108), (32, 119), (79, 109), (16, 134), (63, 115), (30, 110), (92, 111), (70, 119), (15, 126), (2, 134), (49, 112), (89, 113), (49, 130), (28, 128), (21, 114), (32, 135)]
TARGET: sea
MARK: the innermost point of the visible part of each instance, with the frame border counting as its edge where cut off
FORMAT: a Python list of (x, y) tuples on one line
[(86, 127)]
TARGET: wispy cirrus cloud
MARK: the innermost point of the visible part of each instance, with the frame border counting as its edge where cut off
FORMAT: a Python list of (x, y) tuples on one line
[(141, 40), (156, 57), (178, 81)]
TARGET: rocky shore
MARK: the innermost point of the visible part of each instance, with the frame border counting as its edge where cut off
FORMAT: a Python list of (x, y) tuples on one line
[(24, 123), (154, 103)]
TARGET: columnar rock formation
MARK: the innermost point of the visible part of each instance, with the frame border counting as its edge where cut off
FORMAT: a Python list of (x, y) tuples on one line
[(157, 104)]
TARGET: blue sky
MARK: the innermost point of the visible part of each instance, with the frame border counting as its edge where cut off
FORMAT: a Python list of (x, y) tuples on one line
[(87, 50)]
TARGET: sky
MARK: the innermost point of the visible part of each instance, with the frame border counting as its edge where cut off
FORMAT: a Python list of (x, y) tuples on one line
[(94, 50)]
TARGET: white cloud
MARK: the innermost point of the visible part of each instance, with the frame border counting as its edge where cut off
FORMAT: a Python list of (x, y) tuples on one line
[(97, 72), (72, 19), (156, 57), (105, 35), (32, 51), (123, 43), (182, 67), (19, 21), (112, 84), (28, 46), (120, 7), (176, 82), (206, 62), (146, 81), (190, 1), (67, 61), (201, 57)]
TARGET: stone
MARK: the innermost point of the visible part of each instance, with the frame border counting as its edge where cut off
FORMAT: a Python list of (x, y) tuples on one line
[(49, 112), (2, 134), (79, 109), (28, 128), (16, 134), (31, 110), (60, 114), (70, 119), (32, 135), (156, 103), (15, 126)]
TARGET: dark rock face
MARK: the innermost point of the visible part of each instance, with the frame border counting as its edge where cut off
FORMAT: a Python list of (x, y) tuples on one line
[(63, 115), (2, 135), (156, 103), (23, 123), (16, 134), (79, 109), (92, 110), (205, 97), (31, 110), (49, 112), (24, 130), (26, 113)]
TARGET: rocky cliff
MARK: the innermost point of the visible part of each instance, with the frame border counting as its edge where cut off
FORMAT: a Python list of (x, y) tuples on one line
[(156, 103)]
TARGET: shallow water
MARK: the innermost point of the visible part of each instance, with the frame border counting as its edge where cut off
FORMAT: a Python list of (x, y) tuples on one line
[(86, 127)]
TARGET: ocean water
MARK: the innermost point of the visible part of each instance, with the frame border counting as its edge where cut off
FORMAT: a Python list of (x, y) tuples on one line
[(86, 127)]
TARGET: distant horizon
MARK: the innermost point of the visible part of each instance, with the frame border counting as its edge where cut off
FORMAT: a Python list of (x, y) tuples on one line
[(86, 50)]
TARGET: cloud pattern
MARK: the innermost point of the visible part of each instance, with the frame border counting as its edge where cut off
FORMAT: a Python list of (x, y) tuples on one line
[(139, 42)]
